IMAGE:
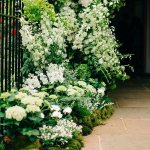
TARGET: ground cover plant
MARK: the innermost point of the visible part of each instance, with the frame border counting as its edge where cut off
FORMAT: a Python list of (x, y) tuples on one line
[(70, 62)]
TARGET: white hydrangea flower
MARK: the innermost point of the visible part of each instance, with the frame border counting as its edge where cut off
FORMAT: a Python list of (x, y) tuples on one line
[(42, 115), (67, 110), (20, 95), (55, 108), (82, 83), (15, 112), (56, 114), (73, 92), (30, 100), (43, 78), (32, 82), (61, 88), (40, 94), (55, 73), (32, 109), (91, 89), (101, 91), (53, 96)]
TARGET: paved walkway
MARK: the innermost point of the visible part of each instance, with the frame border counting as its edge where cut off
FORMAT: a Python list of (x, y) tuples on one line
[(129, 127)]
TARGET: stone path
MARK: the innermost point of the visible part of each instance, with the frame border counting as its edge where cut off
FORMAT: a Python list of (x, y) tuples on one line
[(129, 127)]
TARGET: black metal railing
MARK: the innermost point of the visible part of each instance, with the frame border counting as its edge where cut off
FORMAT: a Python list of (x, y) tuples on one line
[(10, 44)]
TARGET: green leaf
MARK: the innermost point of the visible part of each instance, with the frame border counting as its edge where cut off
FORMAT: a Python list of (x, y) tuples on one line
[(30, 132), (2, 114), (35, 119)]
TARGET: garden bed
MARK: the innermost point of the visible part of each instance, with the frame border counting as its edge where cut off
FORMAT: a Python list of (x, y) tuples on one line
[(70, 63)]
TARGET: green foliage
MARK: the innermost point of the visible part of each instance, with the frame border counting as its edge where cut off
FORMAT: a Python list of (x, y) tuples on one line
[(33, 9), (83, 72), (2, 145)]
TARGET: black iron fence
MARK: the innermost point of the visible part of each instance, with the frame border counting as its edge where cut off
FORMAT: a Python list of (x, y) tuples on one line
[(10, 44)]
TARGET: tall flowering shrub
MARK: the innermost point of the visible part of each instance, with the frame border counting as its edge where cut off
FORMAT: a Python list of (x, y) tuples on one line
[(79, 33)]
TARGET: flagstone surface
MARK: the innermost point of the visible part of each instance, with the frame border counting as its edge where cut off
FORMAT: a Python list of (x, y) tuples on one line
[(129, 127)]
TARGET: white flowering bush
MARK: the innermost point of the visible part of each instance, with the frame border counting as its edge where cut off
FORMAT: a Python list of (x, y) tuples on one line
[(71, 58), (16, 112), (59, 134)]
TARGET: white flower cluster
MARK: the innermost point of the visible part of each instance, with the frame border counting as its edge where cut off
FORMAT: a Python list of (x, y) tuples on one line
[(87, 87), (69, 14), (75, 91), (25, 99), (95, 38), (16, 112), (101, 91), (26, 33), (48, 41), (56, 111), (32, 108), (62, 132), (113, 3), (85, 3), (30, 100), (32, 83), (54, 73)]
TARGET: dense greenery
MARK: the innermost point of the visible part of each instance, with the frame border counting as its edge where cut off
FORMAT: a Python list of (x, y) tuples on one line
[(70, 61)]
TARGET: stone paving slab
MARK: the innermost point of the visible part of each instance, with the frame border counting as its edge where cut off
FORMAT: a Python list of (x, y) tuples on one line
[(129, 127), (125, 142), (132, 113), (112, 126), (134, 103), (137, 126), (92, 142)]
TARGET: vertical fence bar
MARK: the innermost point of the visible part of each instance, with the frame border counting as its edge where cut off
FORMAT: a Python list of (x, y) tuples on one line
[(6, 45), (2, 46), (13, 45), (11, 55), (10, 45), (19, 46)]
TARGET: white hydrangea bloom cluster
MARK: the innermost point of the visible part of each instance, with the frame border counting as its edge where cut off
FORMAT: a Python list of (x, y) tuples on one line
[(91, 89), (41, 95), (32, 108), (61, 88), (35, 99), (87, 87), (101, 91), (62, 132), (30, 100), (16, 112), (67, 110), (56, 111), (75, 91), (54, 73), (20, 95), (32, 83)]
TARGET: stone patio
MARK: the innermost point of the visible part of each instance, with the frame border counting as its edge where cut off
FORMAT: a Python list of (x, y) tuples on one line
[(129, 127)]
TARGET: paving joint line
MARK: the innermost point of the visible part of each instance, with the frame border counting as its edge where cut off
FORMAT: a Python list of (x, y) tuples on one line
[(124, 125), (100, 143)]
